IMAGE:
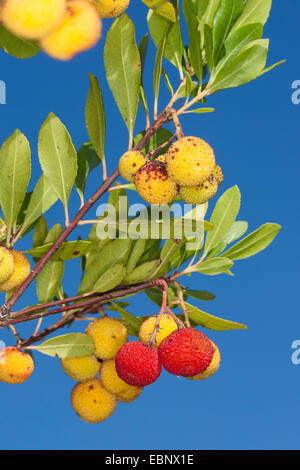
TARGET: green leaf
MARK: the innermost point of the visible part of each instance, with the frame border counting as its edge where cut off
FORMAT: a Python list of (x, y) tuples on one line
[(210, 12), (182, 91), (199, 294), (208, 42), (16, 46), (136, 254), (245, 67), (211, 322), (237, 230), (195, 38), (95, 116), (67, 251), (254, 242), (110, 279), (168, 250), (155, 295), (42, 198), (271, 67), (223, 216), (142, 272), (162, 7), (49, 281), (129, 321), (159, 138), (226, 15), (69, 345), (158, 63), (58, 157), (15, 171), (200, 111), (40, 232), (168, 82), (214, 266), (238, 39), (173, 49), (255, 11), (123, 66), (87, 160), (113, 252), (143, 49)]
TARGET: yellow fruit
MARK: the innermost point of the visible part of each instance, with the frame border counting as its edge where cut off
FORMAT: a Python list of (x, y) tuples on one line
[(79, 31), (33, 19), (110, 8), (190, 161), (113, 384), (154, 185), (92, 402), (161, 158), (130, 163), (15, 365), (21, 272), (6, 264), (130, 395), (109, 335), (213, 366), (199, 194), (218, 174), (81, 368), (166, 326)]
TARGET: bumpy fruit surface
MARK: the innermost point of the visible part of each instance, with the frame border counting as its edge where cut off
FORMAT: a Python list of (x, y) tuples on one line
[(15, 365), (161, 158), (213, 366), (21, 272), (199, 194), (137, 364), (109, 335), (186, 352), (92, 402), (154, 185), (218, 174), (110, 8), (166, 326), (6, 264), (113, 384), (79, 31), (81, 368), (130, 394), (190, 161), (130, 163), (33, 19)]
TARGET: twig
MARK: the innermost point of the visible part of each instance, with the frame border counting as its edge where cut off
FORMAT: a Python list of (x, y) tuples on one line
[(178, 129), (155, 151)]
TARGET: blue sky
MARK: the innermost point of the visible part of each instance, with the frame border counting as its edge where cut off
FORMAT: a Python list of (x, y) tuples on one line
[(253, 402)]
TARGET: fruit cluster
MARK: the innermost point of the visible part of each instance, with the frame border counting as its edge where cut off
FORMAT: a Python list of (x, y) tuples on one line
[(63, 27), (118, 370), (95, 399), (14, 269), (124, 367), (188, 171)]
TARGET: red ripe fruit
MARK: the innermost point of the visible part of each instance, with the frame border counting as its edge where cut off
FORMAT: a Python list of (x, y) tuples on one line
[(186, 352), (137, 363)]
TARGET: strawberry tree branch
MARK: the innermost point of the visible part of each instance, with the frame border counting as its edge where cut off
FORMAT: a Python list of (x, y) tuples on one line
[(5, 310)]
